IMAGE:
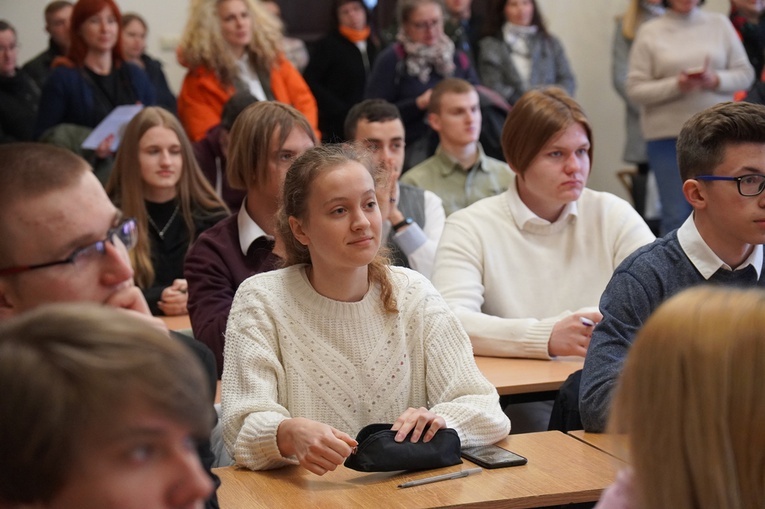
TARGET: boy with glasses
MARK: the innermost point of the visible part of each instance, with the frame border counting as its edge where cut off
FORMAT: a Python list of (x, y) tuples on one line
[(64, 241), (721, 156)]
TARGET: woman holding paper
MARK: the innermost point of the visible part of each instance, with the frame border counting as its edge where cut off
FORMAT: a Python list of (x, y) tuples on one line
[(156, 179), (93, 78)]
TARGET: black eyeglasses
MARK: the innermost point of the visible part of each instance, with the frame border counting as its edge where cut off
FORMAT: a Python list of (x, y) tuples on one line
[(126, 233), (748, 185)]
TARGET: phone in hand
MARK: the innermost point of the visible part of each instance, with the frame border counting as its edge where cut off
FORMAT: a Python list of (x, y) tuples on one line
[(695, 72), (492, 456)]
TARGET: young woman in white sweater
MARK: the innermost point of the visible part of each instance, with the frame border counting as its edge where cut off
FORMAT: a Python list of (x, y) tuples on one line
[(339, 339)]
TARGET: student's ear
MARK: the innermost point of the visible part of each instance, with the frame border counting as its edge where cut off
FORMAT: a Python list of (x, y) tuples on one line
[(434, 120), (297, 230), (695, 193)]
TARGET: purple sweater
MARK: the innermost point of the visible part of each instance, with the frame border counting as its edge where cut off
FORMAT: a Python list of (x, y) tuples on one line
[(214, 269)]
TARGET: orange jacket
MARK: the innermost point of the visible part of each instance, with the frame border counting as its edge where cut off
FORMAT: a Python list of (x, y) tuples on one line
[(202, 97)]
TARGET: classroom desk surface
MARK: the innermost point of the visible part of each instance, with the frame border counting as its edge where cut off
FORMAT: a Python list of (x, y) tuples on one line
[(522, 376), (615, 445), (561, 470), (179, 322)]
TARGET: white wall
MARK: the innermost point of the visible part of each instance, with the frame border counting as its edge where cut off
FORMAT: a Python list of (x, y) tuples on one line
[(585, 27)]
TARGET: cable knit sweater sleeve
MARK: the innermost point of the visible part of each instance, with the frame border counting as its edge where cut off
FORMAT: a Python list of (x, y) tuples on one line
[(457, 390)]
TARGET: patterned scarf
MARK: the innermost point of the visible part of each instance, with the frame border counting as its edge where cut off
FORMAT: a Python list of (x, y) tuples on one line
[(422, 59)]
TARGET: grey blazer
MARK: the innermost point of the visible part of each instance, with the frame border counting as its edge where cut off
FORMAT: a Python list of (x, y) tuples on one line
[(549, 66)]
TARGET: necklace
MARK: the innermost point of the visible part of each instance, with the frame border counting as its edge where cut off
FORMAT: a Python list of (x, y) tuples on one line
[(162, 232)]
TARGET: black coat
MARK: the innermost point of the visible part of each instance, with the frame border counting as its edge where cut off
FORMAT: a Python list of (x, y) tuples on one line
[(337, 75), (19, 98)]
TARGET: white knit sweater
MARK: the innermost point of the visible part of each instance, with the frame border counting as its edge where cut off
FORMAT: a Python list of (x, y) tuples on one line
[(291, 352), (672, 43), (510, 275)]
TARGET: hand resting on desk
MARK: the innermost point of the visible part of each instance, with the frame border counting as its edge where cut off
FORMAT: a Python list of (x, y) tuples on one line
[(319, 448)]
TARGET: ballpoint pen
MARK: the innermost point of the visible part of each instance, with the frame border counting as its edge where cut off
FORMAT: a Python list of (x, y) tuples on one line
[(586, 322), (444, 477)]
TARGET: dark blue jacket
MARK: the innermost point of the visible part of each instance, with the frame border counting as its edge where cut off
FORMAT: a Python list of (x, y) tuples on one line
[(70, 97)]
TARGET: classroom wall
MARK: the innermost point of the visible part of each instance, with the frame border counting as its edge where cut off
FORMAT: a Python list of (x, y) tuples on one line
[(585, 26)]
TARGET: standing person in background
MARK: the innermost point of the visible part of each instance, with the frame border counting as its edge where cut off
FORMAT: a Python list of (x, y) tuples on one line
[(638, 12), (157, 181), (340, 65), (134, 30), (406, 71), (230, 46), (400, 356), (294, 48), (748, 19), (57, 18), (681, 62), (520, 54), (697, 369), (19, 94), (463, 26), (93, 79), (265, 139), (414, 217)]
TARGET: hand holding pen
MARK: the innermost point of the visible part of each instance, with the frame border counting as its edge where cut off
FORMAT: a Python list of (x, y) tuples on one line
[(571, 335)]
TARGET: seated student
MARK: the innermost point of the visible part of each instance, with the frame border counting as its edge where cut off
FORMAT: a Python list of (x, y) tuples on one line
[(157, 181), (415, 217), (133, 43), (64, 241), (721, 156), (265, 139), (57, 16), (112, 419), (524, 270), (690, 400), (283, 342), (212, 150), (19, 94), (459, 172)]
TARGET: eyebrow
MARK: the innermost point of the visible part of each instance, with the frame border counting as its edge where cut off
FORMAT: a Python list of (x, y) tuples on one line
[(344, 198), (88, 238)]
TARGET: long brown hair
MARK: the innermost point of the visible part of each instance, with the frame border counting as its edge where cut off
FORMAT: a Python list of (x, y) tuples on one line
[(78, 49), (297, 191), (690, 400), (125, 187)]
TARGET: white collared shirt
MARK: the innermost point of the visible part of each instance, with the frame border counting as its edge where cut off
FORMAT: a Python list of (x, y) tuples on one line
[(249, 230)]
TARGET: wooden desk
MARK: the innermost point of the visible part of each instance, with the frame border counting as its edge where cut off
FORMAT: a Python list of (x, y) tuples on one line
[(179, 322), (615, 445), (521, 376), (561, 470)]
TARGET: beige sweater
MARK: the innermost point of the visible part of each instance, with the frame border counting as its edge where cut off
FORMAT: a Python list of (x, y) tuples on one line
[(291, 352), (672, 43)]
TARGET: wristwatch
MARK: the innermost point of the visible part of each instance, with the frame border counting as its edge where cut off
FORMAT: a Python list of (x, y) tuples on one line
[(406, 222)]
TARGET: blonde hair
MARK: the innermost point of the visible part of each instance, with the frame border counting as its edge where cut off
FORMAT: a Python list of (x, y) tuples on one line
[(125, 186), (202, 43), (690, 398), (297, 191), (633, 17)]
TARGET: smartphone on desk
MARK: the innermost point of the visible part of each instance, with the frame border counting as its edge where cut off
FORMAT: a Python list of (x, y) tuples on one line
[(493, 456)]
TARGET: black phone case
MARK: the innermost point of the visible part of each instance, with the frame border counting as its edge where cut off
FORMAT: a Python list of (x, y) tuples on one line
[(485, 463)]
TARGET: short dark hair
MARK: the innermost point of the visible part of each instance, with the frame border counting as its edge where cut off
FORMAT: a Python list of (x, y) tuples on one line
[(705, 136), (339, 3), (371, 110), (234, 106), (665, 3), (66, 368), (6, 25), (57, 5)]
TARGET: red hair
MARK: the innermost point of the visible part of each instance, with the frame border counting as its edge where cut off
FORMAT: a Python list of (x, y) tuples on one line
[(83, 10)]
